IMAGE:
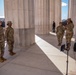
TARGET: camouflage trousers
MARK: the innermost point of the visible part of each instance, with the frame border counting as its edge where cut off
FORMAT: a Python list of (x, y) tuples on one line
[(68, 37), (1, 49), (60, 37), (10, 45)]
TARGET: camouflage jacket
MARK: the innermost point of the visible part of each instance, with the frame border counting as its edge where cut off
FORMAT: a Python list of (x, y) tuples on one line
[(9, 34), (2, 39), (60, 30), (69, 28)]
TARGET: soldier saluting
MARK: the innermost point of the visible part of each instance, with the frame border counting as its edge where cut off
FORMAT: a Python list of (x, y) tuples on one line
[(69, 32), (10, 37)]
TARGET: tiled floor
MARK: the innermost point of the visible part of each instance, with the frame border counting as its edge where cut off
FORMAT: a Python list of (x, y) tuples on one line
[(43, 58)]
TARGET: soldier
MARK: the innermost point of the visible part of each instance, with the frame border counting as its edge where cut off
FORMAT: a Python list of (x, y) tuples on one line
[(69, 32), (10, 37), (60, 33), (53, 26), (2, 42)]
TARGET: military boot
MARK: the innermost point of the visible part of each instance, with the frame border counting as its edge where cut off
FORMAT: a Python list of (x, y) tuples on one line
[(59, 44), (12, 53), (1, 60)]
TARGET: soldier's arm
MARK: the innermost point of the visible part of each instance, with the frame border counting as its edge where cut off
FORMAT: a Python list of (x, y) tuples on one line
[(71, 27), (56, 29), (6, 33)]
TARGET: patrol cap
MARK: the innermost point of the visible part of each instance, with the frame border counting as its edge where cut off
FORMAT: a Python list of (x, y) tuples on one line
[(70, 20), (9, 22)]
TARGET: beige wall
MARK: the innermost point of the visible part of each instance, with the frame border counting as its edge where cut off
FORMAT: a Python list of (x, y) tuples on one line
[(52, 13), (41, 16), (57, 12), (46, 11), (21, 13)]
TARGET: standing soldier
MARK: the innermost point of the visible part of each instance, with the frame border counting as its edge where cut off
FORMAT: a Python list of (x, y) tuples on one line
[(69, 32), (10, 37), (2, 42), (60, 33), (53, 26)]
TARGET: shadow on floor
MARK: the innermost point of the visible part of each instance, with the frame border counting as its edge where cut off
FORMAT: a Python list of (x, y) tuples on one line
[(52, 39), (29, 62)]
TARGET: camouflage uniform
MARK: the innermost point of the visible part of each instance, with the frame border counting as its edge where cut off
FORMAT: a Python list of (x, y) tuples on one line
[(69, 32), (60, 33), (10, 38), (2, 41)]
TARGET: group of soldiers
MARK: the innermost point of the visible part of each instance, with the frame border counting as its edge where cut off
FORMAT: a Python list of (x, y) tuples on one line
[(61, 29), (6, 35)]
